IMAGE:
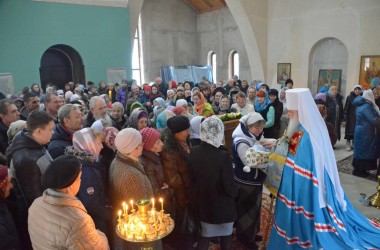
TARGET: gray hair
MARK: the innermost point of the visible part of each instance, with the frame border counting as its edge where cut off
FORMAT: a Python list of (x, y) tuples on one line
[(64, 111), (93, 100), (118, 105)]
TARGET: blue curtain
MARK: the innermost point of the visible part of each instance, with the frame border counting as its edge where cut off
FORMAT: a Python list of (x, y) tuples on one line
[(186, 73)]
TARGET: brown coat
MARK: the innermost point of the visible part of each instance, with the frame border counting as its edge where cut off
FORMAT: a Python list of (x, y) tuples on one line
[(175, 163), (127, 180)]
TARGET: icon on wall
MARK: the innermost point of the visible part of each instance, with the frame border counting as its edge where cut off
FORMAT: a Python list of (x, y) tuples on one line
[(328, 77), (283, 72), (369, 69)]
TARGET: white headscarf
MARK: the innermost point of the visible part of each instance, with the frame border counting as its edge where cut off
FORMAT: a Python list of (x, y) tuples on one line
[(301, 99), (212, 131), (368, 95), (195, 127)]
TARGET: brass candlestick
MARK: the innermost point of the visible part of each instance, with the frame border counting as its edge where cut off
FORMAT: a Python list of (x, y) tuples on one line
[(375, 198)]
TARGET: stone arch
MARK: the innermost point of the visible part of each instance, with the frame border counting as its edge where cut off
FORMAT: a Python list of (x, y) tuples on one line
[(328, 53)]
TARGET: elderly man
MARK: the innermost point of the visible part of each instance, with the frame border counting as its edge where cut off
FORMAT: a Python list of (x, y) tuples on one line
[(8, 114), (230, 84), (161, 86), (70, 121), (251, 98), (241, 104), (31, 103), (51, 103), (98, 111), (29, 161), (324, 218), (117, 115)]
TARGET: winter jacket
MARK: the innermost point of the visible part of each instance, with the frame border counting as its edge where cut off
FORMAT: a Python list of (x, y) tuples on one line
[(241, 135), (269, 115), (211, 174), (350, 116), (60, 221), (24, 113), (8, 232), (3, 138), (92, 192), (366, 146), (155, 173), (61, 139), (335, 112), (122, 96), (127, 180), (175, 163)]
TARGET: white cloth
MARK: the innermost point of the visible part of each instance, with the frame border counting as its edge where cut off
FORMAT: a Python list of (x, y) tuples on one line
[(312, 121), (368, 95), (195, 127)]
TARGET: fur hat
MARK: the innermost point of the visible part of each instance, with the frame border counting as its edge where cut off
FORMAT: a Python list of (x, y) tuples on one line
[(178, 124)]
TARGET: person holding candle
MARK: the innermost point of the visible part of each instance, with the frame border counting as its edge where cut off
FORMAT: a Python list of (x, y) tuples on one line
[(127, 179), (57, 219), (211, 175), (151, 160)]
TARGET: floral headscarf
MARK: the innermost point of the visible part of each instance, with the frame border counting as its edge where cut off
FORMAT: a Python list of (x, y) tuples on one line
[(109, 137), (84, 140), (212, 131)]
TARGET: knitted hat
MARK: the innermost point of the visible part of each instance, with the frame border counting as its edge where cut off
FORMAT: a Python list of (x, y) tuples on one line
[(3, 176), (146, 88), (62, 172), (320, 96), (128, 140), (178, 124), (149, 137), (261, 93)]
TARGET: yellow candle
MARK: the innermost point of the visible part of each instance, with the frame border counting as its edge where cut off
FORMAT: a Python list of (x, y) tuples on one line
[(123, 206), (119, 213), (162, 204), (153, 204), (132, 210)]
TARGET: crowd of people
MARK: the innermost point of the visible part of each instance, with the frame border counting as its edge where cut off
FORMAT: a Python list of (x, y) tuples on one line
[(74, 154)]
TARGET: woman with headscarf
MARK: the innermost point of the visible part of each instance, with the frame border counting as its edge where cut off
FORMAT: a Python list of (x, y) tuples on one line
[(58, 219), (155, 93), (249, 184), (211, 174), (334, 106), (195, 129), (87, 144), (224, 105), (127, 179), (170, 99), (151, 160), (265, 108), (202, 107), (138, 119), (175, 155), (350, 116), (366, 146)]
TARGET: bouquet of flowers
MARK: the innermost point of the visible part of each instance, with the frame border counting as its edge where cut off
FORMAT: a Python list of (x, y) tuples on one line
[(229, 116)]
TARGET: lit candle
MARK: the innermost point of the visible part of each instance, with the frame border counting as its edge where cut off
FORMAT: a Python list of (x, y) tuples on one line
[(119, 213), (123, 206), (162, 204), (132, 210), (153, 204)]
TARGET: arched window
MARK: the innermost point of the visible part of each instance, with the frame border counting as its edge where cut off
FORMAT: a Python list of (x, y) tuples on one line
[(211, 60), (137, 56), (233, 63)]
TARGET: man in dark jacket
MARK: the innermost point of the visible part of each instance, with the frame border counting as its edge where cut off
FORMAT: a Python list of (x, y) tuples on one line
[(97, 111), (8, 114), (31, 103), (29, 161), (71, 120), (162, 87)]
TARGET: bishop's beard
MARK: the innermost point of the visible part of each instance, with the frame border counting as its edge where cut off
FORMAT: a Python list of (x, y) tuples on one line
[(292, 126)]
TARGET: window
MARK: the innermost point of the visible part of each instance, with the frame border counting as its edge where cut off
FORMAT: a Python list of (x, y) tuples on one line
[(233, 63), (137, 56), (211, 60)]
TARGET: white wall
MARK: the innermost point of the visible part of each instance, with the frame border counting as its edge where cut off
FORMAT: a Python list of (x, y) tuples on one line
[(218, 32)]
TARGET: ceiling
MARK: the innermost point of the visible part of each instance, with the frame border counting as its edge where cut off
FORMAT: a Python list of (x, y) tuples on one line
[(202, 6)]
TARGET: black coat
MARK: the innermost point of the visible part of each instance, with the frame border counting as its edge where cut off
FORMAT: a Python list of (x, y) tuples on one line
[(3, 138), (212, 179), (8, 232), (335, 112), (350, 116), (59, 141)]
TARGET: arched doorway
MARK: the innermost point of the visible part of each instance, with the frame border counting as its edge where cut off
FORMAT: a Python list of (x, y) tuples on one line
[(328, 59), (61, 64)]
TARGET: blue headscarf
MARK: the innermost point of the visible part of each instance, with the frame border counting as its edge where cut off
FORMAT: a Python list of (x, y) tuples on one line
[(260, 107), (161, 102)]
